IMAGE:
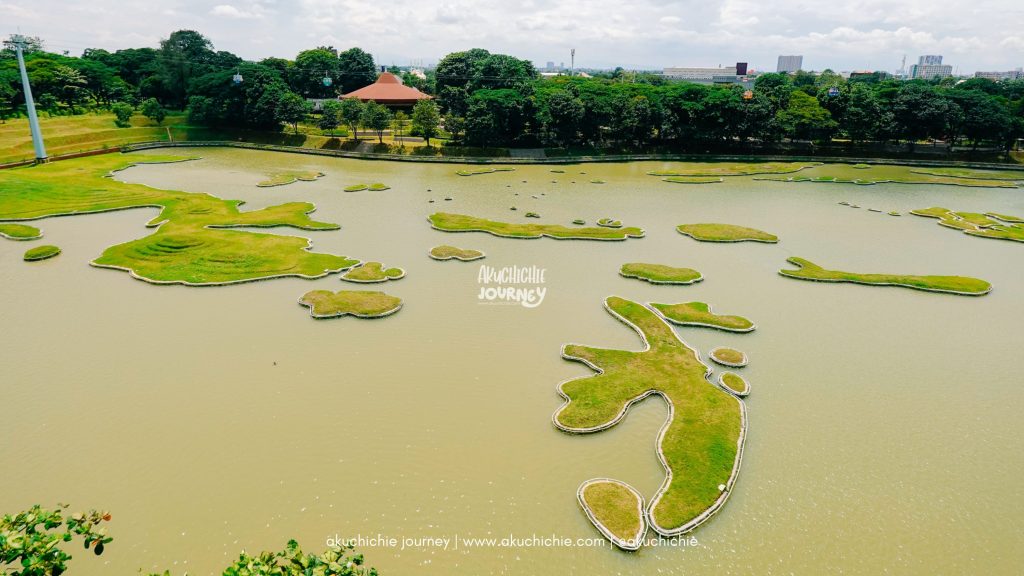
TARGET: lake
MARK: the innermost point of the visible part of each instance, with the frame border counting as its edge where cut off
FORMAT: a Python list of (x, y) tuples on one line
[(884, 423)]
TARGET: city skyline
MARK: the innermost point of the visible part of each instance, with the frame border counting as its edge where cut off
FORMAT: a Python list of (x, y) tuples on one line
[(977, 36)]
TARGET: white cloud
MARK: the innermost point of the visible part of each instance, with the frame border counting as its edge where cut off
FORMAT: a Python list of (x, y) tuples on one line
[(972, 34)]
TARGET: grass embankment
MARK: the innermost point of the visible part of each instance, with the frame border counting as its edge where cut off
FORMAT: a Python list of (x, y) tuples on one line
[(477, 172), (715, 169), (701, 442), (965, 285), (41, 253), (700, 314), (20, 232), (987, 225), (358, 303), (461, 223), (708, 232), (370, 272), (660, 274), (616, 509), (446, 252), (734, 382), (728, 357), (888, 174), (284, 178), (189, 245)]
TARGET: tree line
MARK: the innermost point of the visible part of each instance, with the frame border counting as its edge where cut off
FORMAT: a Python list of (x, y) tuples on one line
[(486, 99)]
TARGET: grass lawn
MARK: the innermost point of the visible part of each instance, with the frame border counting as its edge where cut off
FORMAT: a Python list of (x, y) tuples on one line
[(725, 233), (728, 357), (987, 225), (370, 272), (700, 314), (702, 440), (359, 303), (20, 232), (706, 169), (41, 253), (616, 509), (190, 245), (446, 252), (660, 274), (461, 223), (283, 178), (807, 270)]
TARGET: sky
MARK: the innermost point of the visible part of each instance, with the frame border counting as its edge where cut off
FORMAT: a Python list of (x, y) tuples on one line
[(635, 34)]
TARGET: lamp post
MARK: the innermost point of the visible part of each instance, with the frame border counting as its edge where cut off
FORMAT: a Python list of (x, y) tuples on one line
[(33, 121)]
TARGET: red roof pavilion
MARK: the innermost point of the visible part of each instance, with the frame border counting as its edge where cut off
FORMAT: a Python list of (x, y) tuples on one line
[(389, 91)]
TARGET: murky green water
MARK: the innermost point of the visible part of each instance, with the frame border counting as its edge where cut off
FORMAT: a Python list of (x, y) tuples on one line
[(884, 423)]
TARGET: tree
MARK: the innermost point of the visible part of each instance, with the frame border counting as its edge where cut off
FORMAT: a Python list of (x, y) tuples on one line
[(292, 561), (184, 55), (291, 109), (329, 120), (30, 541), (805, 119), (376, 117), (122, 113), (426, 119), (401, 120), (862, 117), (355, 70), (565, 112), (70, 85), (154, 111), (311, 67), (351, 112), (921, 112)]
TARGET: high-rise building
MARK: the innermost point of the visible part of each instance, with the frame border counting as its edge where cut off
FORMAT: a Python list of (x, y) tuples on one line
[(930, 66), (789, 64)]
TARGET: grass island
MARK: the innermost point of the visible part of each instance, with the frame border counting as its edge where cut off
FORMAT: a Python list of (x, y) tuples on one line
[(41, 253), (480, 171), (616, 509), (20, 232), (660, 274), (445, 252), (609, 223), (869, 175), (725, 233), (701, 442), (461, 223), (734, 383), (693, 179), (190, 244), (375, 187), (358, 303), (987, 225), (371, 272), (962, 285), (700, 314), (284, 178), (708, 169), (728, 357)]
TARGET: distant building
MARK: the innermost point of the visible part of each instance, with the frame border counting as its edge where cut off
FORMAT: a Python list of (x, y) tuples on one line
[(738, 74), (550, 66), (1017, 74), (930, 66), (790, 64)]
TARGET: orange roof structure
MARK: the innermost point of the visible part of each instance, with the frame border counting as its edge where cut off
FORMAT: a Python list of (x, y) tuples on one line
[(388, 90)]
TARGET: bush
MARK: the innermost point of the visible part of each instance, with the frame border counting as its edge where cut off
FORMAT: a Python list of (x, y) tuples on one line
[(123, 113)]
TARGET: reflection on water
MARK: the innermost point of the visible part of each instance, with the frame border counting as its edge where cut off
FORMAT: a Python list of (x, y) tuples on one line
[(884, 429)]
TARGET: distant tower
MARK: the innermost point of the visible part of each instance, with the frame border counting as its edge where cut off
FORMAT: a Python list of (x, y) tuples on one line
[(572, 61)]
